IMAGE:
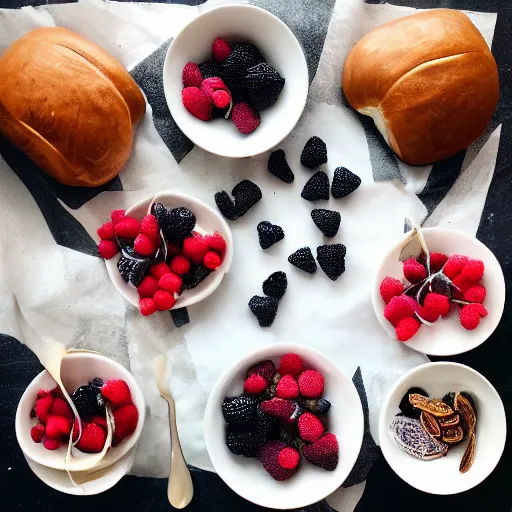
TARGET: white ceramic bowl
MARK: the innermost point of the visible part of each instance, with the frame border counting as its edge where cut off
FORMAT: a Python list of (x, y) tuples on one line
[(244, 23), (208, 220), (442, 476), (78, 368), (310, 484), (447, 337)]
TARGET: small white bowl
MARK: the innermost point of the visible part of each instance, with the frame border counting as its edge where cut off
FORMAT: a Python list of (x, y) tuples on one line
[(310, 484), (244, 23), (78, 368), (442, 476), (208, 220), (447, 337)]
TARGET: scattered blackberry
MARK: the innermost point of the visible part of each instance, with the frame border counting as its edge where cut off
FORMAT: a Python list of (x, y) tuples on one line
[(133, 269), (196, 275), (88, 401), (275, 285), (317, 187), (244, 441), (327, 221), (303, 259), (210, 68), (240, 410), (344, 182), (406, 407), (264, 309), (278, 166), (331, 259), (264, 85), (314, 153), (246, 195), (317, 406), (225, 205), (269, 234), (96, 382)]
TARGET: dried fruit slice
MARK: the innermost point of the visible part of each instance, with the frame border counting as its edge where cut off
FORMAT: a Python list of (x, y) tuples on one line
[(469, 455), (452, 422), (430, 424), (453, 435), (462, 404), (434, 406), (405, 405)]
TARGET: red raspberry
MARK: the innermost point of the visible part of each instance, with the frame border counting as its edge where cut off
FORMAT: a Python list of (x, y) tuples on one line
[(143, 245), (37, 433), (454, 265), (194, 248), (475, 293), (158, 270), (216, 243), (269, 458), (210, 85), (311, 384), (462, 283), (470, 315), (290, 364), (400, 307), (101, 421), (171, 283), (61, 408), (164, 300), (390, 287), (106, 232), (43, 407), (221, 98), (42, 393), (438, 303), (173, 249), (279, 408), (180, 265), (437, 260), (191, 75), (149, 227), (127, 228), (107, 249), (147, 307), (75, 430), (310, 427), (245, 118), (51, 443), (125, 419), (473, 270), (288, 458), (266, 369), (323, 453), (287, 388), (93, 438), (407, 328), (197, 102), (430, 315), (117, 392), (58, 426), (148, 287), (255, 384), (414, 271), (118, 216), (212, 260), (220, 50)]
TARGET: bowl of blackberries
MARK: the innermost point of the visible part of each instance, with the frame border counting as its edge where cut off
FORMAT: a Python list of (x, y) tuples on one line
[(236, 80), (284, 427)]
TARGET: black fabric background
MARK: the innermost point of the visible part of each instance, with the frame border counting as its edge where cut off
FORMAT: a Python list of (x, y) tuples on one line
[(21, 490)]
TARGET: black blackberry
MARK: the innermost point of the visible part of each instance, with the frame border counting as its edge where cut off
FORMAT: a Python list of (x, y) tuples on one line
[(405, 405), (264, 85), (159, 211), (317, 187), (264, 309), (317, 406), (275, 285), (344, 182), (88, 400), (179, 224), (289, 434), (269, 234), (246, 442), (278, 166), (327, 221), (331, 259), (314, 153), (210, 68), (303, 259), (225, 205), (196, 275), (96, 382), (133, 268), (246, 195), (266, 426), (240, 410)]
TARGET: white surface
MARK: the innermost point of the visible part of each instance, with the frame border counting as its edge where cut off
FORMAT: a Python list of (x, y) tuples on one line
[(442, 476), (310, 484), (77, 370), (208, 221), (446, 336), (244, 23)]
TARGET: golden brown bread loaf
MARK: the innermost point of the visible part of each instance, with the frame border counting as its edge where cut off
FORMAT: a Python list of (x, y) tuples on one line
[(69, 105), (428, 80)]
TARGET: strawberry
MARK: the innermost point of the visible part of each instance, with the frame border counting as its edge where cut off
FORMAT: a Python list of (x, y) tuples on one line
[(220, 50), (125, 419), (323, 453), (266, 369), (93, 439), (255, 384), (116, 392), (191, 75), (279, 408), (197, 102), (310, 427), (311, 384), (290, 364), (245, 118), (287, 388)]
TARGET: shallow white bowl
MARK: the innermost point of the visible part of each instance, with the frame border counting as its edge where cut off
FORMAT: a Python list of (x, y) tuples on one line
[(244, 23), (208, 220), (442, 476), (447, 337), (310, 484), (78, 368)]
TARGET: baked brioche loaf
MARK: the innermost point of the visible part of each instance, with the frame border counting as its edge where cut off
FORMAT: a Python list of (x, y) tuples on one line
[(69, 105), (428, 80)]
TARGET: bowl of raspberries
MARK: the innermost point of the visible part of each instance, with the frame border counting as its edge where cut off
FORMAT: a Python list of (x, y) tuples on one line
[(105, 421), (236, 80), (440, 291), (284, 427), (167, 252)]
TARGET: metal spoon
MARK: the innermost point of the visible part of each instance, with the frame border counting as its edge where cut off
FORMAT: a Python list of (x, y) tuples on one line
[(179, 489)]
